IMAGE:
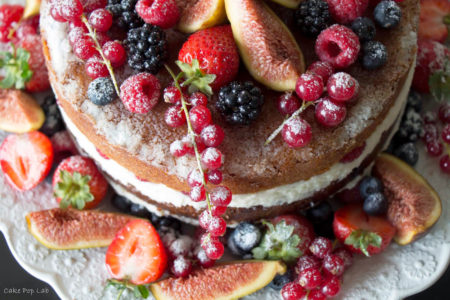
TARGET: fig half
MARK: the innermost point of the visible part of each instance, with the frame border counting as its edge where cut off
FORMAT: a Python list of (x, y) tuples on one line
[(267, 47), (414, 206), (227, 281)]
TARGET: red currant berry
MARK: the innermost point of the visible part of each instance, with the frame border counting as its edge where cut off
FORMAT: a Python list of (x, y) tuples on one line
[(309, 87), (212, 135), (354, 154), (446, 134), (221, 196), (203, 219), (76, 34), (95, 67), (292, 291), (330, 113), (84, 49), (195, 178), (56, 15), (115, 53), (333, 264), (310, 278), (101, 19), (320, 247), (342, 87), (321, 68), (431, 133), (316, 295), (181, 267), (71, 10), (445, 164), (200, 146), (331, 286), (215, 176), (296, 132), (213, 247), (212, 158), (76, 23), (172, 95), (218, 210), (174, 116), (198, 98), (346, 256), (435, 148), (102, 38), (305, 262), (429, 118), (203, 259), (178, 148), (288, 103), (217, 226), (200, 117), (444, 113), (198, 193)]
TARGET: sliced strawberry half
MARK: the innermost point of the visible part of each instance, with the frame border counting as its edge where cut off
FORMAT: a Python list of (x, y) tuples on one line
[(434, 19), (26, 159), (360, 232), (137, 253)]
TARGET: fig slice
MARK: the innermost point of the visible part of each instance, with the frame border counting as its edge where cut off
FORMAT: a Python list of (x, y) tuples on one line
[(200, 14), (227, 281), (288, 3), (414, 206), (64, 229), (267, 47)]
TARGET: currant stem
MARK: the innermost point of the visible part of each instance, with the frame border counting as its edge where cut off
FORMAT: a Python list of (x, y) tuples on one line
[(99, 49), (274, 134)]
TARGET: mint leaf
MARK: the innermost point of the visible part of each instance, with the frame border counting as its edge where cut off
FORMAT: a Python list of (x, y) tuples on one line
[(16, 67)]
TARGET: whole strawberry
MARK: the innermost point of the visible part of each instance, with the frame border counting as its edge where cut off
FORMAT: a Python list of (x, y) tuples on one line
[(434, 19), (78, 183), (216, 52)]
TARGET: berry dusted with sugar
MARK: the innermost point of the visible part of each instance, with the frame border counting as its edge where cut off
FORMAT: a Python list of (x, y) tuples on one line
[(309, 87), (375, 204), (364, 29), (321, 68), (211, 158), (345, 11), (331, 286), (198, 98), (213, 247), (333, 265), (431, 132), (178, 148), (444, 113), (240, 102), (162, 13), (221, 196), (212, 135), (114, 52), (140, 93), (338, 45), (53, 119), (316, 295), (414, 101), (146, 48), (342, 87), (320, 247), (218, 210), (245, 237), (346, 256), (202, 258), (198, 193), (9, 16), (76, 34), (194, 178), (215, 176), (172, 95), (101, 91), (217, 226), (95, 67), (312, 16), (181, 246), (101, 19), (408, 153), (296, 132), (181, 267), (429, 117), (174, 116), (293, 291), (446, 134), (288, 103), (307, 262), (444, 163), (281, 280), (200, 117), (411, 128), (330, 113), (387, 14), (374, 55), (84, 49), (310, 278), (370, 185), (70, 10), (124, 13), (435, 148)]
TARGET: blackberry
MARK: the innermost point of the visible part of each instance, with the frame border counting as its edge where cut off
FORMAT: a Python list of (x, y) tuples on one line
[(101, 91), (312, 16), (146, 48), (364, 29), (240, 102), (415, 101), (374, 55), (387, 14), (411, 127), (124, 14), (408, 153), (53, 120)]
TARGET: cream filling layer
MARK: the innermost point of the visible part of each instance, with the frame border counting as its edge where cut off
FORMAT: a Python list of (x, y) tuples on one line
[(280, 195)]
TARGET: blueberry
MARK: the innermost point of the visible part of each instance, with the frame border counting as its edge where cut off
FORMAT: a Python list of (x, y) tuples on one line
[(364, 29), (320, 213), (370, 185), (140, 211), (169, 222), (245, 237), (387, 14), (231, 244), (121, 203), (53, 120), (281, 280), (375, 204), (101, 91), (374, 55), (408, 153)]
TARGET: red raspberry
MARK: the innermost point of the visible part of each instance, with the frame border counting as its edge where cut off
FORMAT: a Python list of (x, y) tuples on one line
[(217, 226), (181, 267), (175, 116), (95, 67), (140, 93), (342, 87), (70, 10), (320, 247), (321, 68), (215, 176), (212, 135), (293, 291), (221, 196), (211, 158), (338, 45), (329, 113), (331, 286), (345, 11), (310, 278), (84, 49), (444, 113), (195, 178), (296, 132), (198, 193), (305, 262), (9, 14), (101, 19), (354, 154), (200, 117), (76, 34), (163, 13), (309, 87), (198, 98), (287, 104)]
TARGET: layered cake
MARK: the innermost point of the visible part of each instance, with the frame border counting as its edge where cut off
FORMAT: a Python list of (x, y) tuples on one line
[(266, 179)]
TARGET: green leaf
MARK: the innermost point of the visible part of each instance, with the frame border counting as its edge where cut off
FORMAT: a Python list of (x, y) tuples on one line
[(73, 190), (439, 83), (195, 78), (16, 68), (362, 239), (143, 290)]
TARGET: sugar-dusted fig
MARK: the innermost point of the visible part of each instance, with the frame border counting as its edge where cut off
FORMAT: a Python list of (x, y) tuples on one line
[(200, 14), (288, 3), (226, 281), (267, 47), (64, 229), (414, 206)]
